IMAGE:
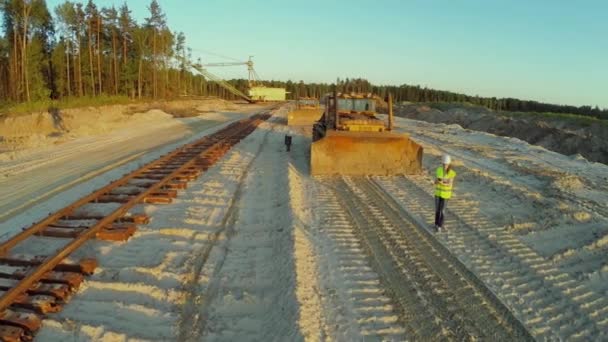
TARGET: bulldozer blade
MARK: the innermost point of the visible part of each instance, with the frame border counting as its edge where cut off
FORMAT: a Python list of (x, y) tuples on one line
[(304, 116), (365, 153)]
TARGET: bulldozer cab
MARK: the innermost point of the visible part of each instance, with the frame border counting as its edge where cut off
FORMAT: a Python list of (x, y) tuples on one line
[(355, 105), (355, 113)]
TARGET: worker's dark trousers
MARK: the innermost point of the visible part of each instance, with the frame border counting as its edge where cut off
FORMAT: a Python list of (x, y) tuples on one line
[(440, 205)]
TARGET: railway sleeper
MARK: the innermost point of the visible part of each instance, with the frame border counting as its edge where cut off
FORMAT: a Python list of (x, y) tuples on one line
[(188, 155), (82, 217), (164, 165), (150, 175), (179, 162), (172, 168), (85, 266), (113, 199), (61, 232), (172, 165), (167, 193), (177, 159), (135, 218), (117, 232), (160, 171), (185, 178), (21, 319), (158, 199), (210, 162), (130, 191), (41, 304), (176, 186), (160, 174), (114, 232), (10, 333), (171, 193), (59, 291), (72, 279)]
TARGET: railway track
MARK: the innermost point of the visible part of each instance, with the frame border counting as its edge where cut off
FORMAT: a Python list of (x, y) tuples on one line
[(436, 296), (34, 285)]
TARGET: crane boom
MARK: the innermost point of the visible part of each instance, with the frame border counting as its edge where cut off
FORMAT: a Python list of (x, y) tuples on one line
[(224, 64), (200, 68), (254, 79), (221, 82)]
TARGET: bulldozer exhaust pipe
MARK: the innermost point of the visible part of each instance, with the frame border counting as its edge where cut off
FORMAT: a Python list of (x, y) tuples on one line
[(390, 112), (336, 116)]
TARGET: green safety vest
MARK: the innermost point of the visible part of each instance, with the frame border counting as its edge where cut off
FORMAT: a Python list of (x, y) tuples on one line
[(442, 190)]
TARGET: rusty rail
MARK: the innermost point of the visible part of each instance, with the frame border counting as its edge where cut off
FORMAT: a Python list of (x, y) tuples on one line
[(53, 275)]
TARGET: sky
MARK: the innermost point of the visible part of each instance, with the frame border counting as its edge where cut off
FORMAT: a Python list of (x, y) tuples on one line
[(552, 51)]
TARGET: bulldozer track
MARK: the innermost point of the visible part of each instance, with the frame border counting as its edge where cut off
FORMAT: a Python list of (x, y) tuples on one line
[(33, 285), (349, 264), (437, 297), (503, 261)]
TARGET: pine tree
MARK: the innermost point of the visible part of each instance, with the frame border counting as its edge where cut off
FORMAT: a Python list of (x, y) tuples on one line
[(110, 16), (67, 23), (155, 23), (4, 70), (90, 18)]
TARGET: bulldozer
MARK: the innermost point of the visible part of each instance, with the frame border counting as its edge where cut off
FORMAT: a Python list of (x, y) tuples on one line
[(350, 139), (307, 112)]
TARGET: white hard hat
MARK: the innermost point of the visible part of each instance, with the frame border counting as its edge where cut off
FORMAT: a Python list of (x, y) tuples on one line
[(446, 159)]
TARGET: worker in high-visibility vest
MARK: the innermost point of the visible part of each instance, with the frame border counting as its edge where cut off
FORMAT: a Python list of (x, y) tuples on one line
[(444, 182)]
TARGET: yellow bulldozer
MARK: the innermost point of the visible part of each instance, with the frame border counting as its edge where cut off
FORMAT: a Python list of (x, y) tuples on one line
[(349, 139), (307, 112)]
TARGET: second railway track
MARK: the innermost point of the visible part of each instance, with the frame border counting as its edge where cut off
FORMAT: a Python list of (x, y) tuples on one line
[(438, 298), (33, 284)]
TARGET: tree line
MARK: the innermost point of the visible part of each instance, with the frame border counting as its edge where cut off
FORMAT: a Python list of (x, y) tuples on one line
[(411, 93), (82, 50), (77, 50)]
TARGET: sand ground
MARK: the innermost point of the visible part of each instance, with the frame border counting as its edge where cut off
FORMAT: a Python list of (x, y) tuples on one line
[(248, 253)]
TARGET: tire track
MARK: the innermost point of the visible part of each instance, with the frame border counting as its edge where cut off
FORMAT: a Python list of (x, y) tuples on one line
[(445, 292), (549, 302)]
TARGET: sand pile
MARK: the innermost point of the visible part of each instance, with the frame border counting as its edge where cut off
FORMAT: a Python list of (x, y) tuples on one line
[(57, 126)]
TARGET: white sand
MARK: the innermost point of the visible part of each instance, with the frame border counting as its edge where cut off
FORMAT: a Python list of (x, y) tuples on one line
[(249, 253), (542, 214), (555, 204)]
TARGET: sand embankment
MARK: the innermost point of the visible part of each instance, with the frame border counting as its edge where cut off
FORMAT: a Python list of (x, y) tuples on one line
[(563, 136), (56, 126)]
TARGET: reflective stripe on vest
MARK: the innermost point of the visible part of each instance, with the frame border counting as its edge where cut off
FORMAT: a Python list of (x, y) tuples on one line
[(443, 190)]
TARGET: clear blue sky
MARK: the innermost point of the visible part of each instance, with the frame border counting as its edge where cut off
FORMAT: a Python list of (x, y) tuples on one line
[(547, 50)]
